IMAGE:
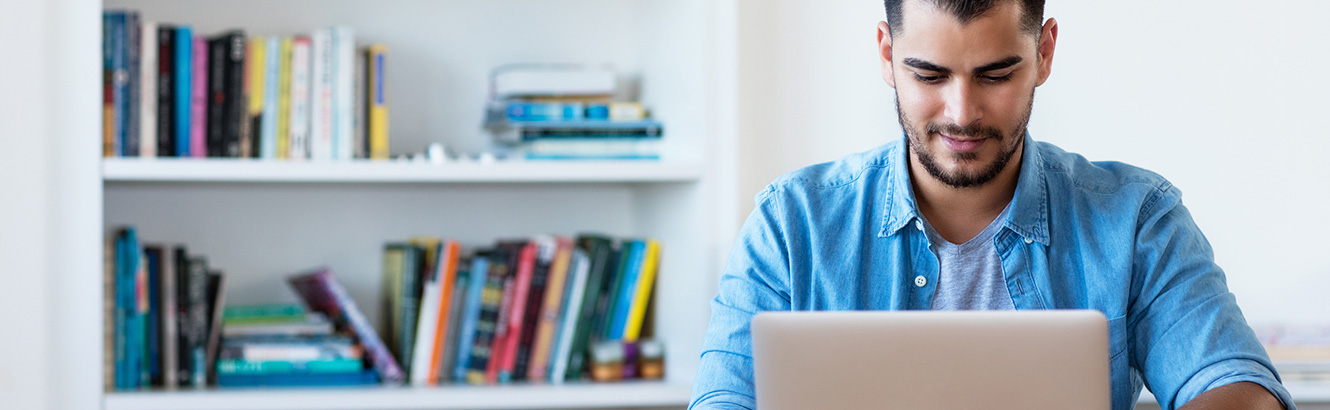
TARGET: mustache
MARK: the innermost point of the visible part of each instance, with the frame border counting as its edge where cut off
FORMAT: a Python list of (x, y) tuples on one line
[(973, 131)]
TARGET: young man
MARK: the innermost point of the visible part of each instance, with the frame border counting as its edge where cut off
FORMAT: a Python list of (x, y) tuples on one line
[(968, 212)]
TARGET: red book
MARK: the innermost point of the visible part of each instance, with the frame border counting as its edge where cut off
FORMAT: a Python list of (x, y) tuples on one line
[(526, 264)]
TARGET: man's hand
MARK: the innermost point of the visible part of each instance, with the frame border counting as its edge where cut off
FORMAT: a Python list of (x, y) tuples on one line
[(1241, 395)]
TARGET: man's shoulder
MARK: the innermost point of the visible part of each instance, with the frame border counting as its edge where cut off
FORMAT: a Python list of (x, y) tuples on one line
[(1074, 174), (847, 172)]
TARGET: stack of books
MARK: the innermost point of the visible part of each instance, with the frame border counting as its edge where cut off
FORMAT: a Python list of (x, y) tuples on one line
[(522, 310), (283, 345), (170, 92), (568, 113), (162, 314)]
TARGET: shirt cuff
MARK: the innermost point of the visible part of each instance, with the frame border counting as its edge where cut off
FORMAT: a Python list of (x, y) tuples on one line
[(1233, 371)]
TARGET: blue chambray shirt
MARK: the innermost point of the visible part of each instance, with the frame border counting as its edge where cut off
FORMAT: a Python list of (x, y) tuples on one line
[(845, 235)]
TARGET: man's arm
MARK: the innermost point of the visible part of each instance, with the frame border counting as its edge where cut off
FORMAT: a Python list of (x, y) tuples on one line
[(1188, 337), (1236, 396), (756, 278)]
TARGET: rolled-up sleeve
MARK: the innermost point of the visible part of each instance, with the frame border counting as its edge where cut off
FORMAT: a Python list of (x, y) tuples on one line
[(1188, 335), (755, 279)]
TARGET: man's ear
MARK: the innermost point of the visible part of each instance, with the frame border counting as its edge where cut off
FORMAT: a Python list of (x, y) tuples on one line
[(1048, 39), (884, 52)]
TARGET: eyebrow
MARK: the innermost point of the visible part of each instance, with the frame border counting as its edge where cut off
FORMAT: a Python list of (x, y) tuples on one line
[(996, 65)]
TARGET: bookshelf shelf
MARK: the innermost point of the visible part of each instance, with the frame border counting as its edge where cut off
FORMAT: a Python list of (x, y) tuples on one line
[(244, 170), (568, 396)]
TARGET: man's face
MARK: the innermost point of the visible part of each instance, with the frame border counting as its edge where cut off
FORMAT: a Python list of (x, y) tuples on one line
[(964, 92)]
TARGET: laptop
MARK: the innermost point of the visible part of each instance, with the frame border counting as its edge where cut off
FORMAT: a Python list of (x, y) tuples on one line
[(925, 360)]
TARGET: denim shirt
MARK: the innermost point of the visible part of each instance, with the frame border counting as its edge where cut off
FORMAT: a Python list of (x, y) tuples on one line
[(846, 235)]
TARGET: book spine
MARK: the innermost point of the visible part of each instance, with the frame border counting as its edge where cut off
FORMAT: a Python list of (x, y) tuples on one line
[(152, 320), (216, 304), (183, 354), (322, 292), (109, 319), (300, 98), (216, 103), (269, 367), (360, 116), (623, 296), (321, 121), (166, 91), (414, 259), (141, 360), (420, 356), (197, 320), (589, 322), (148, 89), (550, 309), (377, 117), (345, 94), (515, 322), (642, 295), (108, 88), (123, 300), (391, 298), (256, 94), (487, 322), (447, 361), (579, 268), (546, 247), (283, 98), (184, 94), (268, 54), (199, 107), (133, 88), (119, 81), (446, 282), (170, 330), (466, 335), (236, 141)]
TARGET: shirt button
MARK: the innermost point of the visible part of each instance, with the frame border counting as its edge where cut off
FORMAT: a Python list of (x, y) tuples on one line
[(920, 281), (1029, 240), (919, 224)]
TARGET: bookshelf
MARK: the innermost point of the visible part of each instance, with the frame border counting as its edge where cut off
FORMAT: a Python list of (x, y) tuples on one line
[(260, 221)]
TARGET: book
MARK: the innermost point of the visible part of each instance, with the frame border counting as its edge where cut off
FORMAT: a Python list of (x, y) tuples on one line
[(272, 367), (344, 94), (602, 253), (273, 57), (376, 119), (216, 304), (148, 71), (195, 324), (629, 274), (366, 377), (129, 143), (263, 314), (551, 308), (421, 358), (579, 268), (488, 318), (299, 119), (445, 282), (466, 334), (126, 261), (166, 89), (108, 91), (513, 323), (321, 292), (394, 265), (259, 348), (227, 104), (545, 249), (198, 103), (313, 324), (184, 94), (184, 356), (360, 117), (256, 92), (321, 97), (152, 257), (447, 360), (283, 92), (169, 308), (637, 311), (110, 331), (551, 80), (119, 80)]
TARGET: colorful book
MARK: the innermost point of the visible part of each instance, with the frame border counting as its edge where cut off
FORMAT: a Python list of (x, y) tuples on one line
[(646, 280), (447, 359), (550, 310), (283, 93), (184, 93), (129, 143), (516, 318), (488, 319), (321, 292), (108, 90), (366, 377), (198, 102), (627, 289), (446, 281), (376, 119), (466, 334), (119, 80), (272, 367), (578, 269), (256, 92), (546, 247)]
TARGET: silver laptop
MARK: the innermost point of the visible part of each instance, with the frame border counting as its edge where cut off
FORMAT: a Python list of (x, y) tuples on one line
[(923, 360)]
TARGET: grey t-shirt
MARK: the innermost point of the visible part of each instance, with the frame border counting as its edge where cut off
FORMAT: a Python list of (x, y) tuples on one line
[(971, 276)]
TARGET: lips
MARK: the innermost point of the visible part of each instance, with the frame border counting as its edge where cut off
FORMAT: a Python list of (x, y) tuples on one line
[(962, 145)]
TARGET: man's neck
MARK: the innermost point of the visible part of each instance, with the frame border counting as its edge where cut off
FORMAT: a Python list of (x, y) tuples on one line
[(959, 214)]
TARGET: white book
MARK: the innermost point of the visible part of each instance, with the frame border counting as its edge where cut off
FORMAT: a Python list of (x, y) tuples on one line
[(271, 94), (300, 107), (321, 101), (563, 344), (148, 89), (552, 80), (421, 357), (344, 93)]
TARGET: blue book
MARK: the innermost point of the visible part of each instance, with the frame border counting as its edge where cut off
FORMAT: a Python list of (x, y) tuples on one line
[(184, 75), (552, 111), (466, 335), (119, 81), (364, 377), (271, 95), (128, 331), (627, 289)]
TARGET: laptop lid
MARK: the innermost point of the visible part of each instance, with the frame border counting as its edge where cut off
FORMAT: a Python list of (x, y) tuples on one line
[(925, 360)]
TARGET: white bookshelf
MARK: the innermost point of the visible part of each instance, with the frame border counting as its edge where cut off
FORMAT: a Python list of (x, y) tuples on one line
[(259, 221), (569, 396), (359, 171)]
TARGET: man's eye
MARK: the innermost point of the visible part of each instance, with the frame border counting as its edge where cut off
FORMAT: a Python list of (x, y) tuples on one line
[(928, 79), (995, 79)]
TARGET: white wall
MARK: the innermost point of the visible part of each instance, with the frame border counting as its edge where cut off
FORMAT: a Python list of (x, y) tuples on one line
[(1225, 98)]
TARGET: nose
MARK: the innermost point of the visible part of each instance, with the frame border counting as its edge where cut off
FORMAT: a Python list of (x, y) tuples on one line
[(962, 104)]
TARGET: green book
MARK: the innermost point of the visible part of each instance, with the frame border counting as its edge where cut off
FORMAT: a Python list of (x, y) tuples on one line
[(263, 314), (332, 365)]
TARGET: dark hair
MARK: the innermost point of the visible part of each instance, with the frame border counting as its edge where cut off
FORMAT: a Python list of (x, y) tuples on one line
[(1032, 12)]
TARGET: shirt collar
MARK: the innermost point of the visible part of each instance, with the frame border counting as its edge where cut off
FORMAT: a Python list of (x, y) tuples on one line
[(1029, 215)]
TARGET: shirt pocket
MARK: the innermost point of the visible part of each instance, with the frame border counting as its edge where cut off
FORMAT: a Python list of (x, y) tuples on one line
[(1117, 337)]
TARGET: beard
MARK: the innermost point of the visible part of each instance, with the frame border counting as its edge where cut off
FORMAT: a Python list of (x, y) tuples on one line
[(1008, 144)]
